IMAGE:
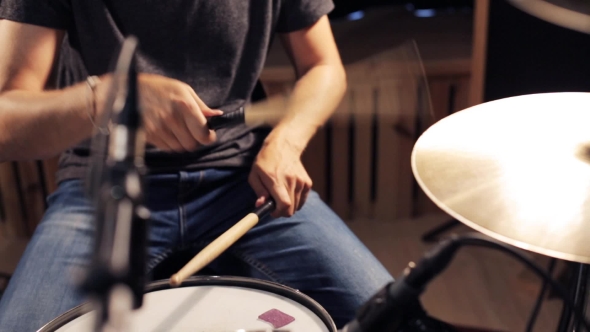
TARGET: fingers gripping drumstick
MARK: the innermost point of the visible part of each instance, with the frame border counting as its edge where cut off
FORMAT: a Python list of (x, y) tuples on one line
[(221, 244)]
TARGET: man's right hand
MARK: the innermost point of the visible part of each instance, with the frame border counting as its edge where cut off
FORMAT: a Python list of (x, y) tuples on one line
[(175, 118)]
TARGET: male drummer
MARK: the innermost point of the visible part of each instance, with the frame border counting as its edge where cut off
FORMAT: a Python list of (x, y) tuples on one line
[(197, 59)]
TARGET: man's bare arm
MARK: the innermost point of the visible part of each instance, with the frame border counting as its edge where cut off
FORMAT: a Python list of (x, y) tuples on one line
[(320, 86), (278, 170), (36, 124)]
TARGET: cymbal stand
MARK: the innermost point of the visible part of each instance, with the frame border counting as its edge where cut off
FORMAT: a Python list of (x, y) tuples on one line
[(578, 286)]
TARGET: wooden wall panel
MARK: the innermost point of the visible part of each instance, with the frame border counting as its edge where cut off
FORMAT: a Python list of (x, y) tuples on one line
[(480, 42), (34, 200), (362, 102), (314, 161), (50, 168), (440, 89), (462, 91), (406, 138), (340, 172), (385, 190), (340, 165), (12, 224), (392, 196)]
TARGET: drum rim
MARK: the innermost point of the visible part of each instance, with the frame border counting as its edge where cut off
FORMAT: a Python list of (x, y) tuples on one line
[(252, 283)]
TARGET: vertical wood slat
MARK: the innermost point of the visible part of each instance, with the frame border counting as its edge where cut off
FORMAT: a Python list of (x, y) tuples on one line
[(314, 161), (340, 154), (479, 50), (34, 201), (389, 108), (23, 201), (50, 168), (362, 103), (462, 93), (398, 110), (440, 89), (14, 223), (405, 183)]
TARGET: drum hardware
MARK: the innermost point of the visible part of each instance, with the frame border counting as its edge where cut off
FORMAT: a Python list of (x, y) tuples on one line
[(208, 303), (570, 14), (397, 304), (116, 277), (540, 297), (578, 286), (395, 308), (516, 169)]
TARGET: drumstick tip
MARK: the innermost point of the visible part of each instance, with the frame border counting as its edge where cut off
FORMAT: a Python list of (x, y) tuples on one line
[(175, 280)]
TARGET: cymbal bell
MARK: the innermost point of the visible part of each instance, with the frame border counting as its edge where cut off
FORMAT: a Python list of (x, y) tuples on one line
[(516, 169)]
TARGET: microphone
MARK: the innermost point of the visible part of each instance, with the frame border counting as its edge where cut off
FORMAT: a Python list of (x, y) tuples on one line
[(116, 278), (396, 307)]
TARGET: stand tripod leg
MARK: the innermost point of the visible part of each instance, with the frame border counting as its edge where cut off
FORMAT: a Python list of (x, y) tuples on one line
[(577, 290), (580, 298)]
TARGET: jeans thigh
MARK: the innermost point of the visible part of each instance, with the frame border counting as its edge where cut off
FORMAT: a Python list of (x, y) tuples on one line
[(42, 286), (314, 251)]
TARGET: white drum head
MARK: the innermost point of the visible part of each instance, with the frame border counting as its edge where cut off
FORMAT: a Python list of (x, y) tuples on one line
[(211, 308)]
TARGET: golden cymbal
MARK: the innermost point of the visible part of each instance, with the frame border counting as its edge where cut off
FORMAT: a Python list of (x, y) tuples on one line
[(516, 169), (571, 14)]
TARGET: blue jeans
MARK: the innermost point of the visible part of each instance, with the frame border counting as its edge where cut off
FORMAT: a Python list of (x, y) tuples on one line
[(313, 251)]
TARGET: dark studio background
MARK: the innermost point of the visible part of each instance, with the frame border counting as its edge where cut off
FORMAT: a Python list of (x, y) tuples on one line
[(344, 7), (528, 55), (524, 54)]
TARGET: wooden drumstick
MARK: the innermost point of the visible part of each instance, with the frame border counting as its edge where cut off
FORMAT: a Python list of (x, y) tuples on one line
[(219, 245), (271, 111)]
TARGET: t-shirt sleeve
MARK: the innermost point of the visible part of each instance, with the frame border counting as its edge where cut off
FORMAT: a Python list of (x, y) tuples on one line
[(54, 14), (298, 14)]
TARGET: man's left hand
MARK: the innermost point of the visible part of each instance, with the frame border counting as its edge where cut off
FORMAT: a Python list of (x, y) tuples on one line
[(279, 173)]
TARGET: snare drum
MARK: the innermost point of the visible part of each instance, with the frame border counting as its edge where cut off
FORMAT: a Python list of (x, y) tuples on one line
[(213, 304)]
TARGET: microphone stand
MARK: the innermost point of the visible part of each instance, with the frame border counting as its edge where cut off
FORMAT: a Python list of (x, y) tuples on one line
[(396, 307), (116, 278)]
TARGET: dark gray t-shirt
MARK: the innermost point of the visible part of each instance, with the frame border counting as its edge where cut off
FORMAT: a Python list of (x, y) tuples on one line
[(216, 46)]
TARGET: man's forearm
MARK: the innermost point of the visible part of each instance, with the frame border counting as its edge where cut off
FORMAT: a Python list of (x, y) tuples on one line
[(313, 100), (37, 125)]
